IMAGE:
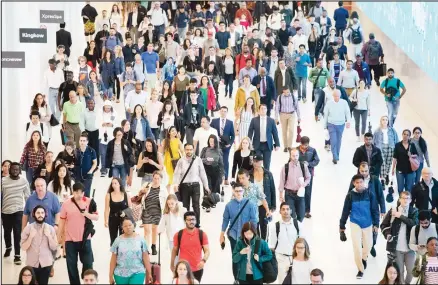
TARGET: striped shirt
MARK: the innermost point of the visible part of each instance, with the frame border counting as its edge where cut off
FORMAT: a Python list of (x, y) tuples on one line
[(431, 273), (14, 194), (288, 105)]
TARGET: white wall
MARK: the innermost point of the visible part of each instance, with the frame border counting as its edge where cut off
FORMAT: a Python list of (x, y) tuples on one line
[(19, 86)]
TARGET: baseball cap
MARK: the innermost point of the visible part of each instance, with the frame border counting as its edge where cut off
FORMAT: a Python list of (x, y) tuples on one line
[(107, 103), (258, 157)]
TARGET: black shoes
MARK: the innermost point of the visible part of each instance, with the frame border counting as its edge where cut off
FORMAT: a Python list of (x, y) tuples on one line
[(17, 260), (208, 210), (364, 262), (308, 215), (335, 161), (373, 252), (359, 275), (387, 180), (285, 150), (8, 252), (154, 249)]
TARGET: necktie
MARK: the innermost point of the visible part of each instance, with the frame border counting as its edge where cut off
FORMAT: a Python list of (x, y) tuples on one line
[(263, 87), (222, 127)]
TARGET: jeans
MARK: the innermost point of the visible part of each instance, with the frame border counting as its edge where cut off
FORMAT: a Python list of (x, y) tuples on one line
[(117, 87), (119, 171), (42, 274), (156, 133), (12, 223), (360, 115), (264, 150), (308, 194), (302, 87), (235, 265), (262, 227), (296, 204), (335, 132), (226, 159), (159, 30), (405, 182), (29, 176), (182, 34), (405, 259), (72, 249), (102, 151), (418, 173), (393, 107), (228, 81), (93, 142), (87, 184), (53, 102), (193, 191), (189, 135), (137, 278)]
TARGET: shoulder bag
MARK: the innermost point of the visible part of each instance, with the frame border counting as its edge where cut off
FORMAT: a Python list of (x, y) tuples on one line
[(413, 159), (178, 194), (238, 215), (314, 84), (174, 161), (88, 225)]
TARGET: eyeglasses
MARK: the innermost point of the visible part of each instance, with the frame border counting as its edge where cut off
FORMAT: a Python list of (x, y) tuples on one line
[(238, 191), (191, 220)]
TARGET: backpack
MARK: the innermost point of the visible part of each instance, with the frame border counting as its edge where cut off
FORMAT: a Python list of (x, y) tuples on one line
[(373, 50), (201, 238), (41, 126), (286, 170), (356, 36), (268, 268), (417, 231), (391, 90), (277, 229)]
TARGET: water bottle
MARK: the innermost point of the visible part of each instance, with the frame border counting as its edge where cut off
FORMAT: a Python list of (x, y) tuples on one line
[(222, 193)]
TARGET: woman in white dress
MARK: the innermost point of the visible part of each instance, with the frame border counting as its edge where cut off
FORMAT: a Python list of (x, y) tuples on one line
[(40, 105), (116, 17), (246, 116)]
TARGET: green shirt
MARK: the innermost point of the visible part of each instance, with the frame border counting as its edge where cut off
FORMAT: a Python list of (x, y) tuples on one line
[(204, 92), (322, 78), (73, 112)]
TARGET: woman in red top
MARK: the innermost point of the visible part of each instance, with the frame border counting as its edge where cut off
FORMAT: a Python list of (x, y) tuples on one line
[(208, 94), (33, 155)]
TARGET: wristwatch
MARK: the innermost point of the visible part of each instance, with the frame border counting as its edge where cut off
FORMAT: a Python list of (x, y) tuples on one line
[(205, 261)]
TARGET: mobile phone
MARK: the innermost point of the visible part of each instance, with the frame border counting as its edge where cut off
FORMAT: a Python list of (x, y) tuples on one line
[(223, 245)]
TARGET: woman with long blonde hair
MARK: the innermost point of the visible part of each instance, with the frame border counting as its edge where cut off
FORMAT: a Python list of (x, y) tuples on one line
[(82, 94), (301, 266), (172, 220), (243, 156), (120, 68)]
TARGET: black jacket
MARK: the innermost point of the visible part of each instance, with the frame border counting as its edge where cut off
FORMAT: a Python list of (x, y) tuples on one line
[(128, 159), (376, 159), (185, 99), (63, 37), (420, 197), (188, 115), (268, 187), (391, 230), (140, 17)]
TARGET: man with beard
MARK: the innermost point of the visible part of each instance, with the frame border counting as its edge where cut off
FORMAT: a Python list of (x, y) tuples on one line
[(39, 241), (422, 232)]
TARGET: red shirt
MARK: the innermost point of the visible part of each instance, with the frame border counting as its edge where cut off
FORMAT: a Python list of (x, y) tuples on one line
[(74, 220), (191, 249), (241, 61)]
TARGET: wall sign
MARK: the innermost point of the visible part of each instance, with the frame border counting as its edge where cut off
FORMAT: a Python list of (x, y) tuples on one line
[(33, 36), (51, 16), (13, 59)]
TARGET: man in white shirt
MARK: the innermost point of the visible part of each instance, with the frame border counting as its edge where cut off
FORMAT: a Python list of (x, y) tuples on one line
[(282, 237), (53, 78), (273, 63), (103, 21), (336, 116), (36, 125), (153, 108), (349, 78), (200, 138), (300, 39), (134, 97), (274, 20), (158, 18)]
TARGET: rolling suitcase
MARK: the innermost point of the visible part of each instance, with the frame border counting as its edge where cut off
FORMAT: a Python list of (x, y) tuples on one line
[(382, 69), (156, 266)]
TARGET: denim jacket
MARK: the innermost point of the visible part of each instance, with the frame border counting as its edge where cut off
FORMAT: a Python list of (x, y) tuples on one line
[(107, 72), (249, 214), (119, 65), (100, 87), (392, 137), (147, 132)]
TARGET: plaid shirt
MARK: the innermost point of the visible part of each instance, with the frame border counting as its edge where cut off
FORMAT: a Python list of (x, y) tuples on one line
[(34, 159)]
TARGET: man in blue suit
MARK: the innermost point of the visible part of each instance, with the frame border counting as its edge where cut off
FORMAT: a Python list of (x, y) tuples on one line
[(265, 86), (225, 129), (264, 135)]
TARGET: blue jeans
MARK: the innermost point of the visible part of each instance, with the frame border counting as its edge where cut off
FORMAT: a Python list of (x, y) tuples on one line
[(335, 133), (87, 183), (29, 176), (119, 171), (72, 249), (405, 182), (418, 173), (393, 107), (102, 152), (308, 195), (228, 81), (225, 157), (302, 87), (296, 204)]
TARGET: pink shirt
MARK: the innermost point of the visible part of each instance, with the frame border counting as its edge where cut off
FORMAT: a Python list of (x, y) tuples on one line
[(294, 174), (74, 220), (40, 250)]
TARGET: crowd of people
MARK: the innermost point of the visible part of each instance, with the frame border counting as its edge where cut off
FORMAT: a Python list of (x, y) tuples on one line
[(169, 60)]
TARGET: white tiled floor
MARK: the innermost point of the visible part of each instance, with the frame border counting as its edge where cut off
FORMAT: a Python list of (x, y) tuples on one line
[(330, 186)]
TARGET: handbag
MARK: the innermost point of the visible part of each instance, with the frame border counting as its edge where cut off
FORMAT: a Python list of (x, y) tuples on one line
[(298, 133), (413, 159), (172, 160), (53, 121), (353, 104), (382, 69)]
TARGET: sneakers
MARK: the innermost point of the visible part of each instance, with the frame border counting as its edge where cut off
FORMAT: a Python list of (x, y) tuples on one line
[(387, 180), (327, 147), (154, 249), (358, 138), (208, 210), (373, 252), (8, 252), (304, 100), (359, 275), (334, 161), (285, 150), (307, 215), (17, 260), (364, 262)]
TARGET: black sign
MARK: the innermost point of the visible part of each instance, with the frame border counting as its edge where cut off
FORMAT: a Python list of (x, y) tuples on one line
[(33, 36), (13, 59), (51, 16)]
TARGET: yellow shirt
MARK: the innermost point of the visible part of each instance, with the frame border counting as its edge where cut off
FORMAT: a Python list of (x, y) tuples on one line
[(73, 112)]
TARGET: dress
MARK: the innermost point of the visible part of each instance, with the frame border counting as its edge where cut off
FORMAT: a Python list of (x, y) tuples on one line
[(245, 120), (151, 214), (174, 147)]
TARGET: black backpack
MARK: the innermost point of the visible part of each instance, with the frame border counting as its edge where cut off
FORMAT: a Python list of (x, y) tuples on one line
[(268, 268), (417, 231), (356, 36), (286, 170), (180, 233), (277, 229), (41, 126)]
